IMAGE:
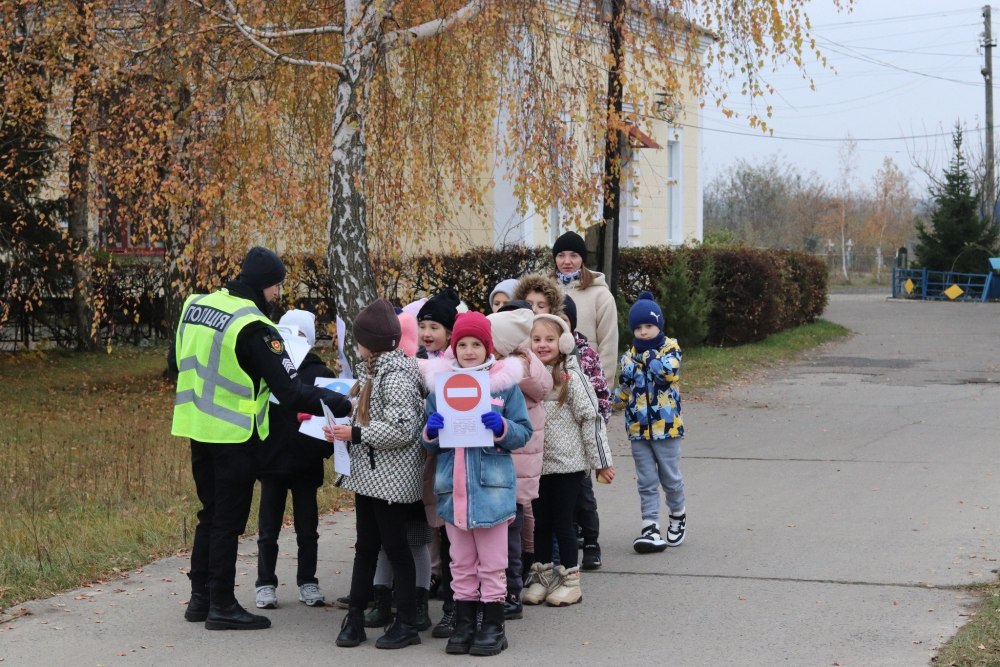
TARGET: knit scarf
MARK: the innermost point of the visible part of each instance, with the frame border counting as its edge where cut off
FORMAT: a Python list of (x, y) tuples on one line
[(651, 344), (567, 278)]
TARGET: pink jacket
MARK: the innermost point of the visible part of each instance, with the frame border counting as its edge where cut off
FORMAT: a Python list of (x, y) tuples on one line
[(536, 383), (430, 366)]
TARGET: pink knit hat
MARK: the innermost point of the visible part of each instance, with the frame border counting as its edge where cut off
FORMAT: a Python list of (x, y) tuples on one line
[(408, 333)]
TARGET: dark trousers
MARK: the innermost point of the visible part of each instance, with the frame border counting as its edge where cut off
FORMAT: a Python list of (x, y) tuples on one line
[(224, 476), (586, 511), (444, 588), (273, 494), (382, 525), (553, 510), (514, 565)]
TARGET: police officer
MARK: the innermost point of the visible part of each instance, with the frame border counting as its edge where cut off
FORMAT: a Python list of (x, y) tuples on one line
[(229, 359)]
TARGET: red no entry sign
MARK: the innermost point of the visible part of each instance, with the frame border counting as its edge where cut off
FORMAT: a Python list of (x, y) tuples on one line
[(462, 392)]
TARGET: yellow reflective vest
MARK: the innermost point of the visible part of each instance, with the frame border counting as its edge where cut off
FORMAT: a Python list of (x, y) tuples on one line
[(216, 401)]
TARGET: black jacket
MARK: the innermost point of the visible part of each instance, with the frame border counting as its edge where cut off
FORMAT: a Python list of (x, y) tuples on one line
[(288, 452), (258, 358)]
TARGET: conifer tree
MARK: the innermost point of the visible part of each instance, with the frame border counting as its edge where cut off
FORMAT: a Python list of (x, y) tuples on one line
[(959, 238)]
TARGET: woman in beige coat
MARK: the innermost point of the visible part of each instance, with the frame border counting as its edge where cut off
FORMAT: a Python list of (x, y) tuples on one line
[(596, 313)]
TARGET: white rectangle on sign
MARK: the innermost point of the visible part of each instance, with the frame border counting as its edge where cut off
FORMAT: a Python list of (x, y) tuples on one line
[(463, 397)]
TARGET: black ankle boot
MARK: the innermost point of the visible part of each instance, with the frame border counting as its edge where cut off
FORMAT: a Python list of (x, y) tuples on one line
[(422, 620), (490, 638), (197, 609), (381, 615), (446, 626), (234, 617), (465, 627), (352, 630), (398, 635), (512, 607)]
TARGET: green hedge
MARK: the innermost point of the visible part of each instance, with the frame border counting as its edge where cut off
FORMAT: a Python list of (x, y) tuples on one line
[(755, 292)]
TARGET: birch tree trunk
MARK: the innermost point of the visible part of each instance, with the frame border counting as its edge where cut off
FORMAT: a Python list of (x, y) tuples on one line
[(79, 175), (350, 267)]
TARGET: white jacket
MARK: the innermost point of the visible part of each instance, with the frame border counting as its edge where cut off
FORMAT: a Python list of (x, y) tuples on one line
[(575, 435)]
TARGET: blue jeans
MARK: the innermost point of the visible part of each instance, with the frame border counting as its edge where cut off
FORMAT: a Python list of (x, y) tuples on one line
[(658, 463)]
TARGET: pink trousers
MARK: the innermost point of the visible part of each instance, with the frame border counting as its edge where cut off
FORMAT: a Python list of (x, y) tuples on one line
[(479, 562)]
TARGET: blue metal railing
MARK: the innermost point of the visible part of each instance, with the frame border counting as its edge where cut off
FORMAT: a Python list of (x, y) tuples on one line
[(932, 285)]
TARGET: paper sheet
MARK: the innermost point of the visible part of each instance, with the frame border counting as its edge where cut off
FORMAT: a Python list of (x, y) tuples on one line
[(462, 399), (341, 457)]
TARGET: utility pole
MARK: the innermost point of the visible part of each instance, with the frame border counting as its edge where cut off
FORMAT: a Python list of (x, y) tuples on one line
[(987, 71), (614, 140)]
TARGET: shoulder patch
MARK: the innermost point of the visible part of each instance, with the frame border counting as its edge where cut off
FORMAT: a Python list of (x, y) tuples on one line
[(275, 344)]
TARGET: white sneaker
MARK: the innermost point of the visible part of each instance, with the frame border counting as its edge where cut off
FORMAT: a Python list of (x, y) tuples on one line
[(676, 529), (311, 595), (267, 597), (650, 540)]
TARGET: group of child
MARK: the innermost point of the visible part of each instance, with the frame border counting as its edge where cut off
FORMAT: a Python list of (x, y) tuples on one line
[(501, 521)]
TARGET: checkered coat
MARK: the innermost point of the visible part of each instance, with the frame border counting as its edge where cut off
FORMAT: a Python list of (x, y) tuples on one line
[(388, 462)]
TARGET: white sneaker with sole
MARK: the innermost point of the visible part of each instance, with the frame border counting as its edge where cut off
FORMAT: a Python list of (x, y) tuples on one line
[(676, 529), (650, 540), (267, 597), (311, 595)]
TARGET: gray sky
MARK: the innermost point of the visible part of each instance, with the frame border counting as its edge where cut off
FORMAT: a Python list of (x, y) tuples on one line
[(904, 69)]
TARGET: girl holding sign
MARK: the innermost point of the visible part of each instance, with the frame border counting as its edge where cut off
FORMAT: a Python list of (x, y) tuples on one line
[(476, 485), (386, 467)]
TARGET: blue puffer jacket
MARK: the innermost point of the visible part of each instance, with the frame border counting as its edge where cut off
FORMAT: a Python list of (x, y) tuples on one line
[(488, 496)]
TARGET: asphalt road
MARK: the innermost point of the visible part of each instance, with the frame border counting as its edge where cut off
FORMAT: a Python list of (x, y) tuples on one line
[(837, 506)]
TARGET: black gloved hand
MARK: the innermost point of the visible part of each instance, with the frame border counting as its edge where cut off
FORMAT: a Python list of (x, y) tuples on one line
[(339, 405)]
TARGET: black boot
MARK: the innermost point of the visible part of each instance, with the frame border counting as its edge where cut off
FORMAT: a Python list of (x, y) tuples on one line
[(234, 617), (381, 615), (197, 609), (398, 635), (352, 630), (490, 638), (465, 627), (422, 620), (446, 626), (512, 607)]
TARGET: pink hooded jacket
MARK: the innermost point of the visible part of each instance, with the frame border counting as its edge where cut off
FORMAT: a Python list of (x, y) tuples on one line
[(536, 383)]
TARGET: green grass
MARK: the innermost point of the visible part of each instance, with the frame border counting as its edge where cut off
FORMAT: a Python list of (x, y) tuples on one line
[(94, 484), (977, 643), (705, 368)]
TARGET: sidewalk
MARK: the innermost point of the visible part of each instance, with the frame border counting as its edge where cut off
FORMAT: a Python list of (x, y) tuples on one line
[(834, 508)]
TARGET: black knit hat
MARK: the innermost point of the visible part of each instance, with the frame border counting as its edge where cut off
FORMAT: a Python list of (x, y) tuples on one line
[(570, 241), (261, 269), (377, 327), (569, 308), (441, 308), (514, 304)]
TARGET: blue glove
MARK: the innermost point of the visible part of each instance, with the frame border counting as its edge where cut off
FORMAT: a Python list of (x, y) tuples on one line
[(434, 424), (493, 422)]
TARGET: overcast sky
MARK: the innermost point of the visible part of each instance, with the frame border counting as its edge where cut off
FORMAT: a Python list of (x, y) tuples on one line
[(905, 69)]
